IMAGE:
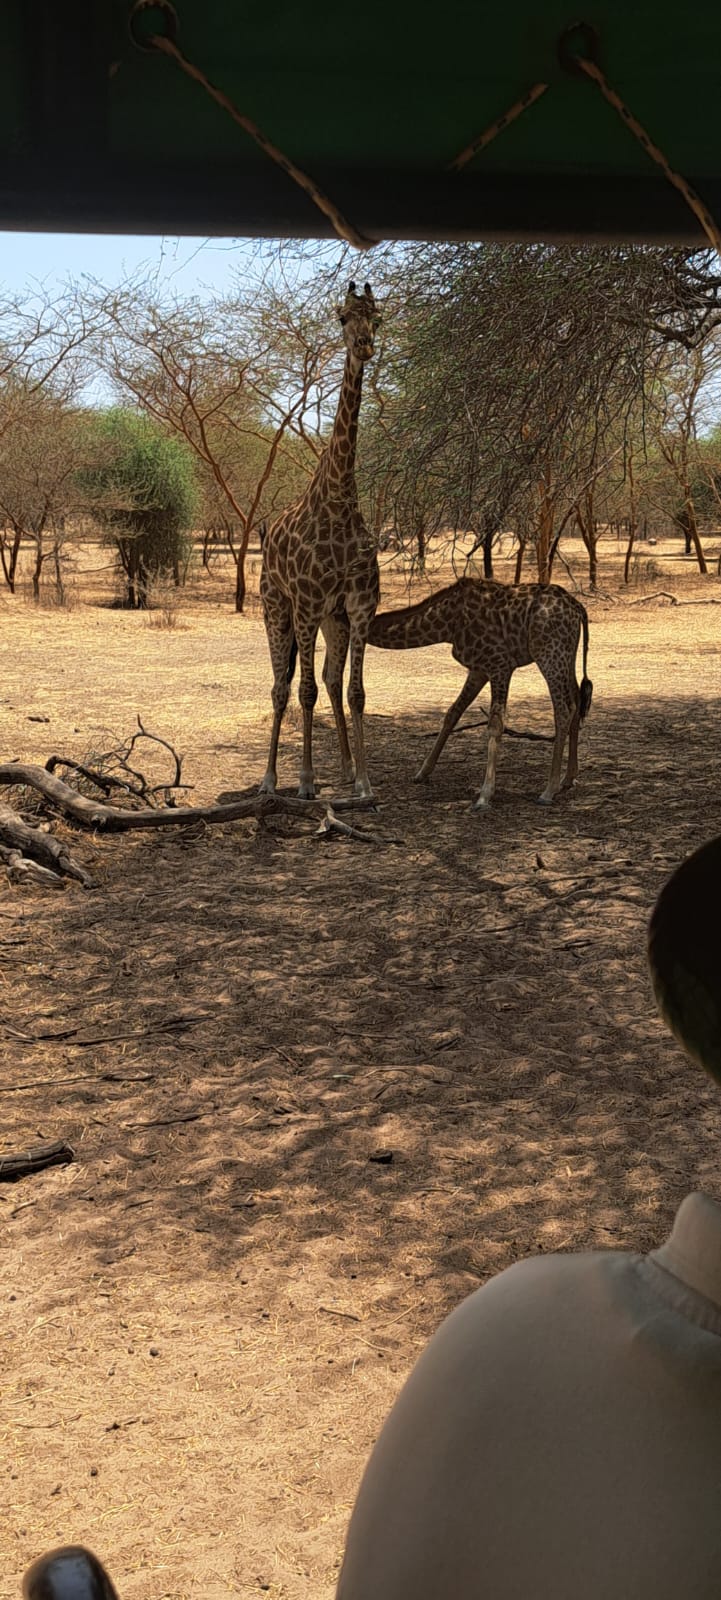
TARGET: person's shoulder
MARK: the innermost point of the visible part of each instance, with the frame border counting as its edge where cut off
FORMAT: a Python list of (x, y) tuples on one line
[(550, 1280)]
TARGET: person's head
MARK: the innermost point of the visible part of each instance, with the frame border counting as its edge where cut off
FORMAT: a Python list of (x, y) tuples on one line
[(684, 953)]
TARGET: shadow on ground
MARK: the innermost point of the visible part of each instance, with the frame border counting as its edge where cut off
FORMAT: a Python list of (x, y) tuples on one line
[(444, 1051)]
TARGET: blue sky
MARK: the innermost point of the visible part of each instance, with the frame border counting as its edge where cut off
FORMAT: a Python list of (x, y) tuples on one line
[(190, 266)]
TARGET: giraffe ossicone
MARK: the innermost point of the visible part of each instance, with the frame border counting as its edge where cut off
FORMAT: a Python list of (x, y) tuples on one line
[(494, 628), (320, 573)]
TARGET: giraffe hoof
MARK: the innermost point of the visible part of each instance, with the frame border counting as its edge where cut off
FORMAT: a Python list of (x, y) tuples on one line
[(267, 786), (545, 800), (306, 791), (421, 776), (482, 803)]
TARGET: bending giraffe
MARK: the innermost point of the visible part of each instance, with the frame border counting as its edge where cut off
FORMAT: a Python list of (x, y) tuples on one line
[(320, 572), (493, 629)]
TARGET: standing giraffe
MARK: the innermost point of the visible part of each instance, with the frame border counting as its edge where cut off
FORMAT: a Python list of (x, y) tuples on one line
[(493, 629), (320, 571)]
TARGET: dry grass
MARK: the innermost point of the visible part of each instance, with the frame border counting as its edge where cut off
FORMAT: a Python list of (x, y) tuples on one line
[(207, 1316)]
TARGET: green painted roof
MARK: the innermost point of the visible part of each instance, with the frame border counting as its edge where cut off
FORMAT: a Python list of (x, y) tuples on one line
[(373, 102)]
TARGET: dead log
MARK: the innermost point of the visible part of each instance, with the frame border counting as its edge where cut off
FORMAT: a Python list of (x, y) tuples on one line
[(35, 1160), (22, 841), (20, 869), (113, 819)]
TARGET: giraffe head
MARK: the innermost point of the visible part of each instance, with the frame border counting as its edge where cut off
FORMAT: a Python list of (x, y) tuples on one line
[(359, 317)]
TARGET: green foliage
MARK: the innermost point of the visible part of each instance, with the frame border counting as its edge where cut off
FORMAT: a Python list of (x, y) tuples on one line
[(146, 494)]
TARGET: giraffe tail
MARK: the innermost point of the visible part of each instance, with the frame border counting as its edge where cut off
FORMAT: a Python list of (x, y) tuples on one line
[(290, 674), (586, 692)]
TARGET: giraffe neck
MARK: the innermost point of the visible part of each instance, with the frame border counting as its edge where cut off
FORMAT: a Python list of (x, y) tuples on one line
[(336, 469), (428, 622)]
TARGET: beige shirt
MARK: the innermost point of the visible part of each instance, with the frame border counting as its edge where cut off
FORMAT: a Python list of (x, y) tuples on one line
[(560, 1437)]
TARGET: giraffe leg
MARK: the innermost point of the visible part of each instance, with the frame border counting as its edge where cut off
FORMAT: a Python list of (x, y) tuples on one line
[(564, 706), (572, 768), (279, 628), (356, 701), (336, 634), (307, 694), (471, 688), (499, 696)]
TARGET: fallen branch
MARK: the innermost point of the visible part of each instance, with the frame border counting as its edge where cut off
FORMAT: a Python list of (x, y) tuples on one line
[(332, 824), (131, 781), (21, 841), (35, 1160), (662, 594), (112, 819)]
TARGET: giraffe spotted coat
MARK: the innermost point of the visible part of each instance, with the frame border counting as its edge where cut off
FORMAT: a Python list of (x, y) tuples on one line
[(320, 573), (494, 628)]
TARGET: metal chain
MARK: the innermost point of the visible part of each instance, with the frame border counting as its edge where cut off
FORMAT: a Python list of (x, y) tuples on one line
[(167, 45)]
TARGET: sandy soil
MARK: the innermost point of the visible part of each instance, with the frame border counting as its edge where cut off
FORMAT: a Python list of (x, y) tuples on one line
[(206, 1317)]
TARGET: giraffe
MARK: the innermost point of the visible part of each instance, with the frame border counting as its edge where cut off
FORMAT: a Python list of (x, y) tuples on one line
[(320, 572), (493, 629)]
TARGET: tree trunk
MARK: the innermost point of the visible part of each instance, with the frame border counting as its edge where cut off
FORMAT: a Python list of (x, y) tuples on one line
[(9, 556), (59, 585), (489, 534), (421, 541), (588, 529), (240, 585), (545, 528), (519, 559), (690, 510), (631, 521), (696, 539), (552, 553), (37, 569)]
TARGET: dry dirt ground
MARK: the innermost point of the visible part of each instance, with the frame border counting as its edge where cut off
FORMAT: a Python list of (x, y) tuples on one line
[(206, 1316)]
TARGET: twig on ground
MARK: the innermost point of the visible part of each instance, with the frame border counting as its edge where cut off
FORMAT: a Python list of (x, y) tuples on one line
[(169, 1025), (332, 824)]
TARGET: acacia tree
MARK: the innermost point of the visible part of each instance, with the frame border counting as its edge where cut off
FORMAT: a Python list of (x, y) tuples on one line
[(683, 399), (239, 379), (43, 366), (503, 354), (43, 457)]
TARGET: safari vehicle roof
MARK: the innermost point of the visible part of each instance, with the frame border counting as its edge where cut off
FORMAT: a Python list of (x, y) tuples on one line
[(100, 129)]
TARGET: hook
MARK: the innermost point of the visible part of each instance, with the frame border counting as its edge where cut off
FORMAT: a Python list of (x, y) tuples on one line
[(579, 42), (168, 28)]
